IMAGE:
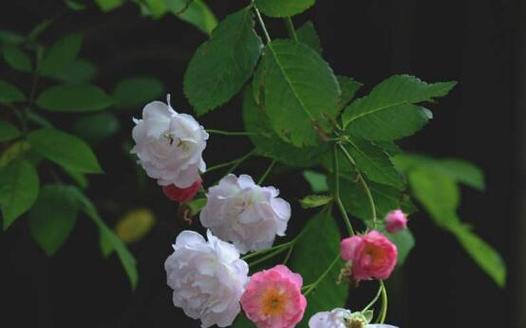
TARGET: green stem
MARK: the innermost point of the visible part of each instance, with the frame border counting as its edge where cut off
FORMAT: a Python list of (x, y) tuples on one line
[(380, 288), (261, 22), (236, 162), (289, 253), (267, 172), (290, 28), (265, 251), (312, 286), (339, 202), (230, 133), (268, 256), (383, 311), (363, 183)]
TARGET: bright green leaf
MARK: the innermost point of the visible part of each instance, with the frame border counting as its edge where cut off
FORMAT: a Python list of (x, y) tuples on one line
[(74, 98), (64, 149), (317, 181), (349, 88), (222, 65), (17, 59), (195, 12), (136, 92), (53, 217), (283, 8), (19, 186), (313, 201), (78, 70), (8, 131), (60, 54), (9, 93), (109, 5), (307, 34), (298, 91), (388, 112), (96, 127)]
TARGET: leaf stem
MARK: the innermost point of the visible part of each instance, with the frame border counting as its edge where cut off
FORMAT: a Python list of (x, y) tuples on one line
[(268, 256), (264, 251), (267, 172), (230, 133), (290, 28), (235, 163), (380, 288), (336, 169), (261, 22), (383, 311), (311, 287)]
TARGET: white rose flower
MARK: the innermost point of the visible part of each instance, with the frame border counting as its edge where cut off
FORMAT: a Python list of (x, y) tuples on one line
[(207, 278), (169, 145), (240, 211), (342, 318)]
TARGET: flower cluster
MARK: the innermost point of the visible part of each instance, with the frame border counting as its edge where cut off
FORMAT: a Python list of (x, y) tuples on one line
[(210, 281)]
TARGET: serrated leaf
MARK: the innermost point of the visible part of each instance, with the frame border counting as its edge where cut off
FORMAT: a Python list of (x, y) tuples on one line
[(317, 181), (313, 201), (349, 88), (9, 93), (17, 59), (8, 131), (404, 242), (298, 90), (60, 54), (320, 241), (195, 12), (109, 5), (388, 112), (19, 186), (269, 144), (374, 162), (126, 258), (65, 150), (74, 98), (283, 8), (78, 70), (221, 66), (136, 92), (95, 128), (307, 34), (53, 217)]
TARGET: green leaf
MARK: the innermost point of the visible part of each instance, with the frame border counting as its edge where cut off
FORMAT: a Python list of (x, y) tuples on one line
[(136, 92), (126, 258), (349, 88), (9, 93), (195, 12), (65, 150), (313, 201), (14, 151), (76, 5), (222, 65), (317, 181), (8, 131), (10, 37), (53, 217), (19, 186), (38, 119), (78, 70), (324, 248), (60, 54), (307, 35), (483, 254), (269, 144), (374, 162), (298, 91), (109, 5), (388, 112), (17, 59), (74, 98), (404, 242), (96, 127), (154, 8), (283, 8)]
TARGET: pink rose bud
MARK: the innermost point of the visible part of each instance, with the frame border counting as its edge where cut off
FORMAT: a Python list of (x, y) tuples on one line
[(395, 221), (372, 256), (182, 195), (273, 298)]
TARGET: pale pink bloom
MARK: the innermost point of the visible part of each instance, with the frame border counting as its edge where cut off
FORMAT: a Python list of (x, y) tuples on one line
[(273, 298), (372, 255), (395, 221), (342, 318)]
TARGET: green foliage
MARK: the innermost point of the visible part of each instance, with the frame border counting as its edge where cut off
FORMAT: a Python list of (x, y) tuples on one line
[(9, 93), (136, 92), (109, 5), (60, 54), (195, 12), (19, 186), (17, 59), (298, 91), (349, 88), (53, 217), (74, 98), (324, 247), (221, 66), (317, 181), (65, 150), (313, 201), (389, 111), (404, 242), (10, 37), (78, 70), (307, 35), (94, 128), (8, 131), (283, 8)]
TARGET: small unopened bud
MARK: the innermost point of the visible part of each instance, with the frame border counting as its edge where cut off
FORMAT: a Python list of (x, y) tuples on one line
[(395, 221), (182, 195)]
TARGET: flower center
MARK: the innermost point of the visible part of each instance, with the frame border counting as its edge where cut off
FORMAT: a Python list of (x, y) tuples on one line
[(355, 322), (273, 302)]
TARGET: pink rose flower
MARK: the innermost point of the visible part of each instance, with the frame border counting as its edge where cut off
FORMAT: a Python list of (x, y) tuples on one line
[(395, 221), (372, 256), (182, 195), (273, 298)]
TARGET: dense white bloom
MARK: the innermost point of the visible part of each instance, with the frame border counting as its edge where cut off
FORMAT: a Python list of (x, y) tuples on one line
[(342, 318), (240, 211), (208, 278), (169, 145)]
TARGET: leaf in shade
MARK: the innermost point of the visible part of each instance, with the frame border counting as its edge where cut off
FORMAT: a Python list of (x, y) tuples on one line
[(349, 88), (109, 5), (307, 34), (74, 98), (79, 70), (95, 128), (283, 8), (135, 92), (404, 242), (60, 54), (8, 131), (313, 201), (9, 93), (195, 12), (17, 59), (317, 181)]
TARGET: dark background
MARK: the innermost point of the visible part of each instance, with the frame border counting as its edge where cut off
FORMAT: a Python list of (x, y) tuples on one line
[(476, 42)]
